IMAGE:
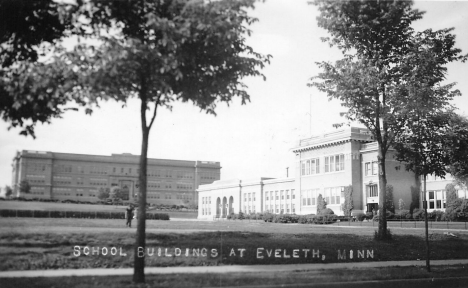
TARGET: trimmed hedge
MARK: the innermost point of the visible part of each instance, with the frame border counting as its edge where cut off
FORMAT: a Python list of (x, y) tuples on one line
[(76, 214)]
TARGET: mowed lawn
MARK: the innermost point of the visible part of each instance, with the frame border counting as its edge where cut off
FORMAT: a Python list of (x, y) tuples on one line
[(52, 206), (35, 243)]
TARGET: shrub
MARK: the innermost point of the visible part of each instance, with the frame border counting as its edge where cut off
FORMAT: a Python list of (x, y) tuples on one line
[(418, 215), (402, 214), (326, 211), (268, 217), (360, 216), (436, 215), (369, 215), (306, 219), (241, 215)]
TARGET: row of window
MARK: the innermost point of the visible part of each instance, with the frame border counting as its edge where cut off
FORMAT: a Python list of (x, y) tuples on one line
[(333, 163), (249, 197), (331, 195), (282, 194), (208, 176), (280, 208), (206, 211), (436, 199), (33, 167), (103, 170), (206, 200), (249, 209)]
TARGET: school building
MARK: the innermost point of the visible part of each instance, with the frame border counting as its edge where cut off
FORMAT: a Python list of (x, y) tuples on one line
[(66, 176), (324, 165)]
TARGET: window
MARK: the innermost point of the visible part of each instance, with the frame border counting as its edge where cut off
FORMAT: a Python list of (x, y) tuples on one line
[(276, 194), (253, 196), (293, 195), (368, 169), (326, 195), (309, 197), (375, 168), (334, 163), (372, 190), (287, 194), (266, 196), (310, 167), (282, 194)]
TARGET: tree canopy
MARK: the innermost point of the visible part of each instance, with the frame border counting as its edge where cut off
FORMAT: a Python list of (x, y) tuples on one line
[(158, 52), (384, 64)]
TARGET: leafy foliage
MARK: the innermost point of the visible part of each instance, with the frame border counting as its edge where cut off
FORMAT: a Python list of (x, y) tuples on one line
[(8, 191), (24, 186), (29, 90), (415, 197), (387, 70), (389, 204), (456, 145), (401, 204), (348, 204), (103, 193), (321, 204)]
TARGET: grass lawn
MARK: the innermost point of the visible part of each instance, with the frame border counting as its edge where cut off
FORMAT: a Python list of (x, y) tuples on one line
[(52, 206), (23, 247), (345, 276)]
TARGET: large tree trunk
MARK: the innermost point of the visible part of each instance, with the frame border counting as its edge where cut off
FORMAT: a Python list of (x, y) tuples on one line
[(140, 245), (382, 194)]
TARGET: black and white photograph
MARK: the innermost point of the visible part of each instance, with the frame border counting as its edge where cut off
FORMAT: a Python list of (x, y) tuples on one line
[(233, 143)]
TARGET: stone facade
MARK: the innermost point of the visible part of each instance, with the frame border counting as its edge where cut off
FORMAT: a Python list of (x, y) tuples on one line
[(79, 177)]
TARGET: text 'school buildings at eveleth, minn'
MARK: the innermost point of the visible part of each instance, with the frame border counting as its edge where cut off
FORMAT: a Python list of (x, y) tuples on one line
[(324, 164), (65, 176)]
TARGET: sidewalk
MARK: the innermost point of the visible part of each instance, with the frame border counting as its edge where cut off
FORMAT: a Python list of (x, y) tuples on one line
[(223, 269)]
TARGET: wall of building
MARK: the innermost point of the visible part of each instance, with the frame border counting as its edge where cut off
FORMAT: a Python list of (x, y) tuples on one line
[(65, 176)]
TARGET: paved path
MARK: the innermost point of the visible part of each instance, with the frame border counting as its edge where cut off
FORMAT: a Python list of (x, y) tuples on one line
[(223, 269)]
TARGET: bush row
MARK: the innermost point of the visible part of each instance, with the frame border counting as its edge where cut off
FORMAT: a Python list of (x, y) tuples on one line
[(290, 218), (76, 214)]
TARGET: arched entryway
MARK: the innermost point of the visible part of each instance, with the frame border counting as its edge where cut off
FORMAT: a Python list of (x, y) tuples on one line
[(224, 207), (231, 207)]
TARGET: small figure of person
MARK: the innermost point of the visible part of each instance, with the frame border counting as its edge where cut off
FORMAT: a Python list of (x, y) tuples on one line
[(129, 215)]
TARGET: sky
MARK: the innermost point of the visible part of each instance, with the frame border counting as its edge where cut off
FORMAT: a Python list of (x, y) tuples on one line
[(253, 140)]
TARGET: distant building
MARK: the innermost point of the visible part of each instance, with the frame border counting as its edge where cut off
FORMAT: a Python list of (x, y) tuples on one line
[(79, 177), (324, 165)]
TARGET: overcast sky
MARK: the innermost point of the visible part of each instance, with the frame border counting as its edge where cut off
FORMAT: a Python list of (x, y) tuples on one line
[(253, 140)]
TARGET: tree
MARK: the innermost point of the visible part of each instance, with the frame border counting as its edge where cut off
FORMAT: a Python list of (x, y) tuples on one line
[(401, 205), (452, 201), (160, 52), (348, 201), (28, 30), (414, 199), (24, 187), (377, 33), (389, 204), (380, 50), (8, 191), (456, 145), (321, 204), (103, 193)]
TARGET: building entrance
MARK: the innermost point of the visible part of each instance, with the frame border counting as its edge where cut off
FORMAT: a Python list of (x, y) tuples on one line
[(372, 207), (127, 190)]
